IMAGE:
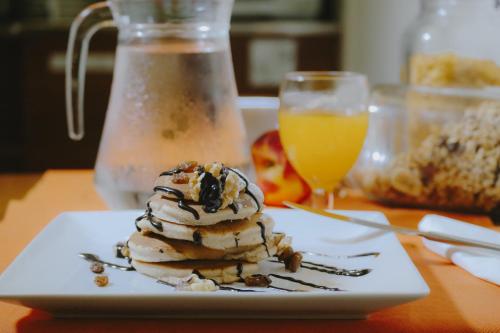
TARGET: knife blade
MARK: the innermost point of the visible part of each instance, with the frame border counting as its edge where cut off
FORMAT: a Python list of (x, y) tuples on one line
[(431, 235)]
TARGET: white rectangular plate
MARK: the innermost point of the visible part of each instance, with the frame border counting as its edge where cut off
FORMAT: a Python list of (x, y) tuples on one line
[(49, 275)]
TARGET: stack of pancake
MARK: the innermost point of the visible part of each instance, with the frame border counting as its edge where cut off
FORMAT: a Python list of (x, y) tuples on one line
[(207, 220)]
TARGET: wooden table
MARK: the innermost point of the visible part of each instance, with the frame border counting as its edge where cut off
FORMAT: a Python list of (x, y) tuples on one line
[(458, 301)]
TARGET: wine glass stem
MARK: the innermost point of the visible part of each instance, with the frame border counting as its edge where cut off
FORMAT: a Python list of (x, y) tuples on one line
[(322, 199)]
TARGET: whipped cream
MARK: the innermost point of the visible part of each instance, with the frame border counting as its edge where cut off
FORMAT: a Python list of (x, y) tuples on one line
[(191, 283)]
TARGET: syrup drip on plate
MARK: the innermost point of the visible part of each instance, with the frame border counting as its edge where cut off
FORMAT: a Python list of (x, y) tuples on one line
[(222, 287), (305, 283), (334, 270), (331, 269)]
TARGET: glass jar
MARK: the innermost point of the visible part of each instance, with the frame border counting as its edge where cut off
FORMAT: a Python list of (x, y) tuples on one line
[(454, 43), (436, 142), (452, 164)]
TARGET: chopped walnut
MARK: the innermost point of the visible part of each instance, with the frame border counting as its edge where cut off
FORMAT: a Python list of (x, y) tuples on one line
[(187, 166), (97, 267), (214, 168), (101, 280), (285, 254), (195, 187), (233, 185), (180, 178), (292, 263), (258, 280)]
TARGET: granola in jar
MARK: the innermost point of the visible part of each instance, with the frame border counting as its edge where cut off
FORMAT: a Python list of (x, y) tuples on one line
[(457, 167)]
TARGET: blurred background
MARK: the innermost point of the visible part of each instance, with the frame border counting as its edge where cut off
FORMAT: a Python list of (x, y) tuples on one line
[(268, 39)]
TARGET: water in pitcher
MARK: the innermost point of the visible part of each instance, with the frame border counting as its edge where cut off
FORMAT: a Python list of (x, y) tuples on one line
[(173, 100)]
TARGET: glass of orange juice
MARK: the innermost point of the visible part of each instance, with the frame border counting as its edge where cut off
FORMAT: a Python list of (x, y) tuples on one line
[(323, 120)]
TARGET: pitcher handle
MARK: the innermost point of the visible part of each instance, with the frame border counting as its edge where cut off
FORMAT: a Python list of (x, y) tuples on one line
[(99, 9)]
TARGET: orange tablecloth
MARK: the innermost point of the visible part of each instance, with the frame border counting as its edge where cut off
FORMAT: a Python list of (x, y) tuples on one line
[(458, 301)]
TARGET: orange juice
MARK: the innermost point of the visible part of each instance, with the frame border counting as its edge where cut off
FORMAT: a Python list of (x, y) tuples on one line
[(322, 146)]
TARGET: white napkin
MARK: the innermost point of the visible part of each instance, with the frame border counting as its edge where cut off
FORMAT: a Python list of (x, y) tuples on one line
[(484, 264)]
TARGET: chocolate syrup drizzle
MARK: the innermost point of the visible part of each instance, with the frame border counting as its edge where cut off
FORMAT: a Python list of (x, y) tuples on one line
[(236, 239), (263, 236), (171, 172), (221, 287), (210, 192), (234, 207), (334, 270), (239, 269), (210, 198), (331, 269), (148, 214), (247, 191), (305, 283), (181, 203), (197, 238)]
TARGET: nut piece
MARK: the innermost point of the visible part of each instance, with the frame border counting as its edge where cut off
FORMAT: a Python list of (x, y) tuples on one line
[(293, 262), (258, 280), (97, 267), (101, 280), (125, 251), (187, 166), (285, 254), (180, 178)]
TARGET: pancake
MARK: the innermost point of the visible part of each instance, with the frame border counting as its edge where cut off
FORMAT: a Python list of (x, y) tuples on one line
[(169, 209), (207, 220), (151, 247), (221, 236), (220, 271)]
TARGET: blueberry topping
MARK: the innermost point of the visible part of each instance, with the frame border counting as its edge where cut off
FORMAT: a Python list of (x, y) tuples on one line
[(210, 193)]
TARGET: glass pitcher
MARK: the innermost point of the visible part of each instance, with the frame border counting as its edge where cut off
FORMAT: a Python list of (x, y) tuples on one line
[(173, 96)]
